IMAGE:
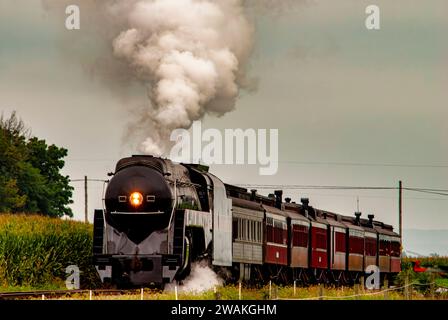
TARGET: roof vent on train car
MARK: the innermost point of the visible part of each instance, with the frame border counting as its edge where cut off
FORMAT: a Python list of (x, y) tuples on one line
[(253, 194), (370, 216), (306, 209), (358, 218), (305, 202), (278, 198)]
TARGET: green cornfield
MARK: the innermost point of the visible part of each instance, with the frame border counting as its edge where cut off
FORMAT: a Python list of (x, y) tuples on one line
[(35, 251)]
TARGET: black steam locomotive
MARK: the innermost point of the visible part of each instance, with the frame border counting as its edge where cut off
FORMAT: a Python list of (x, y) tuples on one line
[(161, 216)]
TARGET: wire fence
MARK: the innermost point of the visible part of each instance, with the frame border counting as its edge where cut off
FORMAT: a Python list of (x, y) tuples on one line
[(384, 291)]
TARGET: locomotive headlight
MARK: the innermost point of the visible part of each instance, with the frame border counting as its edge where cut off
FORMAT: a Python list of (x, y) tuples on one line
[(136, 199)]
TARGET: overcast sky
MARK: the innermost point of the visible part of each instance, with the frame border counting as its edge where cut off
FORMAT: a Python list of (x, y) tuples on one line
[(348, 102)]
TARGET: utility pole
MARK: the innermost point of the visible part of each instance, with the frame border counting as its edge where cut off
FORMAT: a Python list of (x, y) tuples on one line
[(85, 200), (400, 211)]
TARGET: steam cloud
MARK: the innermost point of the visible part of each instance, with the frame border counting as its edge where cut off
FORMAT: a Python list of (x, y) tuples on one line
[(191, 55), (201, 279)]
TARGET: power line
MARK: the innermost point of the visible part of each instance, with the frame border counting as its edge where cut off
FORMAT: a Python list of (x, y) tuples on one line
[(97, 180), (317, 187), (425, 191), (354, 196), (428, 189), (440, 192), (89, 160), (332, 163), (364, 164)]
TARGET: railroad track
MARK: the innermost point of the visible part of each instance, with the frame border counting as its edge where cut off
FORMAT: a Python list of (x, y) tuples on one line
[(59, 293)]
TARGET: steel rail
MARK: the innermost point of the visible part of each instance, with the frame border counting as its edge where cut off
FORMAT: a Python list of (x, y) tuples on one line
[(58, 293)]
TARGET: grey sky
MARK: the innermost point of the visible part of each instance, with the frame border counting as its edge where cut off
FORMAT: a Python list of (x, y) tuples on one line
[(337, 92)]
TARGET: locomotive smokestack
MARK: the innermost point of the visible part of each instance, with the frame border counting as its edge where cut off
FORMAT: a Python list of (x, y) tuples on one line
[(358, 218), (288, 200), (278, 198)]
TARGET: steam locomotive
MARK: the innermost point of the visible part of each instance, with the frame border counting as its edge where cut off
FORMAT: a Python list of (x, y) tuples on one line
[(160, 217)]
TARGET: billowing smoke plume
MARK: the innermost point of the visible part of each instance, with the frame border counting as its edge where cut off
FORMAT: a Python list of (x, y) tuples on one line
[(190, 54)]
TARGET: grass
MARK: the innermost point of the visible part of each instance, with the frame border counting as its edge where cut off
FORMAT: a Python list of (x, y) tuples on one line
[(287, 292), (35, 250), (442, 282)]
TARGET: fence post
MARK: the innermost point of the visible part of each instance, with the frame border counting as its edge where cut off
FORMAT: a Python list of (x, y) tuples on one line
[(362, 283), (294, 288), (386, 287), (321, 292), (217, 294), (406, 287), (432, 287), (356, 291), (270, 289), (239, 291)]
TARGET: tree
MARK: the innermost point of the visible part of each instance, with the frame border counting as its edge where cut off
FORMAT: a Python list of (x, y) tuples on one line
[(48, 160), (30, 178)]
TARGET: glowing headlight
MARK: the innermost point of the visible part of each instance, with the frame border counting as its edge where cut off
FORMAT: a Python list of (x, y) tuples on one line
[(136, 199)]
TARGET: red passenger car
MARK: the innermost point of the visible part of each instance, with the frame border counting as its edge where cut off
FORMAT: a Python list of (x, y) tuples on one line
[(299, 229), (319, 244), (276, 239), (395, 255), (338, 242), (371, 243), (355, 248)]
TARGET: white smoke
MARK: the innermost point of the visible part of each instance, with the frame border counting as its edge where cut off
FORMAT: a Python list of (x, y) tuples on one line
[(201, 279), (190, 54)]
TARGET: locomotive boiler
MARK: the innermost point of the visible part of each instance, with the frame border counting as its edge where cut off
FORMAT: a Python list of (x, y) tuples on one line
[(160, 216)]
